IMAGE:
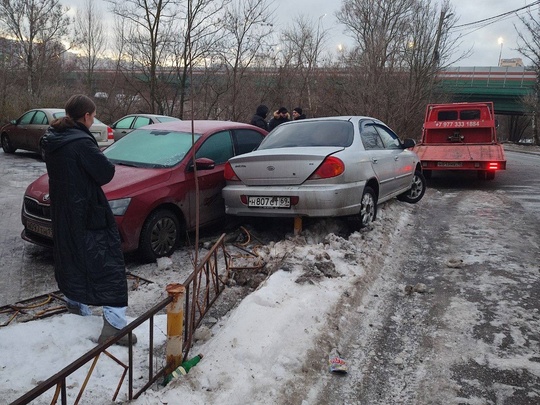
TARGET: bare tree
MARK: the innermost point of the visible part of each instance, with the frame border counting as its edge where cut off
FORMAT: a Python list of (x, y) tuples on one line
[(529, 46), (38, 28), (90, 40), (399, 47), (303, 52), (198, 41), (248, 26), (148, 31)]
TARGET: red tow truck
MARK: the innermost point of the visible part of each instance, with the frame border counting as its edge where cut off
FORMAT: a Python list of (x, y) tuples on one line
[(461, 136)]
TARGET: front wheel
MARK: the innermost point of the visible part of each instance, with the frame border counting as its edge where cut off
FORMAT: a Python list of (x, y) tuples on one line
[(417, 190), (368, 207), (160, 235), (6, 144)]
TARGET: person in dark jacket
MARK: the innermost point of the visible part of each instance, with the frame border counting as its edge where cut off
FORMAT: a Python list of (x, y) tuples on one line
[(297, 114), (259, 118), (88, 260), (280, 116)]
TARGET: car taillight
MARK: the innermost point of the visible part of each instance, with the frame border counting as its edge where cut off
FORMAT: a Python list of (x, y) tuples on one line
[(110, 133), (229, 173), (493, 166), (330, 167)]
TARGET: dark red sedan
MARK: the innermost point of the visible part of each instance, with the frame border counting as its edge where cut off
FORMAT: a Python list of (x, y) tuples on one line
[(153, 192)]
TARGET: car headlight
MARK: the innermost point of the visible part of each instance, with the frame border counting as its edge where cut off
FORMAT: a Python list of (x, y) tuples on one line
[(119, 207)]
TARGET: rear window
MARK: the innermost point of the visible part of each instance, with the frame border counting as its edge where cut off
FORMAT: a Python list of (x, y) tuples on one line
[(469, 115), (447, 116), (151, 148), (310, 133), (465, 115)]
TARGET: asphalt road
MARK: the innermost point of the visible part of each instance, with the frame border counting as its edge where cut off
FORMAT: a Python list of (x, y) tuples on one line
[(473, 335)]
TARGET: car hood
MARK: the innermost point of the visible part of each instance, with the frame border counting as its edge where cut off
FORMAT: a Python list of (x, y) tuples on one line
[(126, 182), (283, 166)]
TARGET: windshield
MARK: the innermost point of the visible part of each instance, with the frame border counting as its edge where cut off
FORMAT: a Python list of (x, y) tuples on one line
[(151, 148), (312, 133)]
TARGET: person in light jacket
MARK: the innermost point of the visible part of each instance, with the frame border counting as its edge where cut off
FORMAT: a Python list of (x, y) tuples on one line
[(88, 260)]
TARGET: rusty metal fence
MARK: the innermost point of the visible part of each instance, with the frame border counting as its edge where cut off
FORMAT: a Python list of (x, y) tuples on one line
[(202, 288)]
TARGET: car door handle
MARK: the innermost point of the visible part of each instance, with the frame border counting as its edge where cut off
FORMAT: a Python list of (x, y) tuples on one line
[(396, 158), (374, 160)]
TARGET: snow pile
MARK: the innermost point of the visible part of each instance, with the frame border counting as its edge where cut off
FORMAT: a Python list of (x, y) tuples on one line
[(250, 353)]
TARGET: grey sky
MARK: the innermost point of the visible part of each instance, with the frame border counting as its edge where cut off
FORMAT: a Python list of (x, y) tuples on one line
[(485, 43)]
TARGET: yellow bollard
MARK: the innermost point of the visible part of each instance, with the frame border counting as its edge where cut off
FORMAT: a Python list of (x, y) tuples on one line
[(175, 326), (297, 225)]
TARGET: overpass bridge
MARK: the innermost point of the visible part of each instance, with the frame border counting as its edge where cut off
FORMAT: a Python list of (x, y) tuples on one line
[(505, 86)]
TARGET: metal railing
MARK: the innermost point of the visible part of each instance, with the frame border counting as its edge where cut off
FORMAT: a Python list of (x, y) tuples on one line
[(202, 288)]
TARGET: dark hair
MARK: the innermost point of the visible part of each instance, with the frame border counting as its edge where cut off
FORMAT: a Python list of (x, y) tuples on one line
[(76, 107), (282, 110)]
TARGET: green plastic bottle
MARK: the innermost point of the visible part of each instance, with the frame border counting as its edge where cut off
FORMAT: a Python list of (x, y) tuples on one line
[(182, 369)]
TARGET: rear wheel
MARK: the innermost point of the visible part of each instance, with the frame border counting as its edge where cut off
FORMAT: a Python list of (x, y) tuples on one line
[(417, 190), (427, 174), (160, 235), (6, 144), (368, 207)]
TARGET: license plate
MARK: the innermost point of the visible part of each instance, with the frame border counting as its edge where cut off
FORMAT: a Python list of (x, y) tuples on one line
[(269, 202), (449, 164), (39, 229)]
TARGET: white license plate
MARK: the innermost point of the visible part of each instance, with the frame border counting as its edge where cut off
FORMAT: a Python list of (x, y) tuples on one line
[(269, 202), (449, 164), (39, 229)]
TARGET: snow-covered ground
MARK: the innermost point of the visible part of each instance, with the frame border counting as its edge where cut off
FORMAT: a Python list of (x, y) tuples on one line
[(467, 334), (248, 353)]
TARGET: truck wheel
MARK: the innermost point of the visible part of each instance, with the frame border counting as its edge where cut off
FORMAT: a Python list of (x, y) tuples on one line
[(417, 190), (427, 174), (368, 207), (490, 175), (160, 235), (6, 144)]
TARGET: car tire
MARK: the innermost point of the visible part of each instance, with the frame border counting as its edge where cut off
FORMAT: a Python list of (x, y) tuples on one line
[(490, 175), (368, 207), (427, 174), (160, 235), (40, 150), (6, 144), (417, 190)]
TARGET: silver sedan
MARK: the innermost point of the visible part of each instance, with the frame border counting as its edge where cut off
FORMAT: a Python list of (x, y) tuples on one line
[(324, 167)]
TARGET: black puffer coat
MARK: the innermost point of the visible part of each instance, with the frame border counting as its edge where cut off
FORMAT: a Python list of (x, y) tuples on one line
[(88, 260), (259, 118)]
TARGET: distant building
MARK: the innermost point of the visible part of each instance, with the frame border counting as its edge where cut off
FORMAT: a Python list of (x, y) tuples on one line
[(514, 62)]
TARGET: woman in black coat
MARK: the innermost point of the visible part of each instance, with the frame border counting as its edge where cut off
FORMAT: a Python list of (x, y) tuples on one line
[(88, 260)]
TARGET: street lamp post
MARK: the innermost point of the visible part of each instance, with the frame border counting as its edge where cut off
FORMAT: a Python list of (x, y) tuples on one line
[(500, 41)]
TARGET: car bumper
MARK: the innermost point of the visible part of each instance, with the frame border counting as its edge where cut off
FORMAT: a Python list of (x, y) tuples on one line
[(313, 201)]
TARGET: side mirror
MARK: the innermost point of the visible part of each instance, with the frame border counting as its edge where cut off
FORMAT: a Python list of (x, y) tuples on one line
[(203, 164), (408, 143), (14, 122)]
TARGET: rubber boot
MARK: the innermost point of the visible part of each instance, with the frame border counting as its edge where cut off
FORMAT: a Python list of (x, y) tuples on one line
[(110, 331), (73, 309)]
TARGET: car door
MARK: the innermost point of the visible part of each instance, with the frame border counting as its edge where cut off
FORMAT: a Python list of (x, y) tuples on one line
[(382, 159), (122, 127), (402, 158), (141, 122), (219, 148), (37, 128), (19, 133)]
